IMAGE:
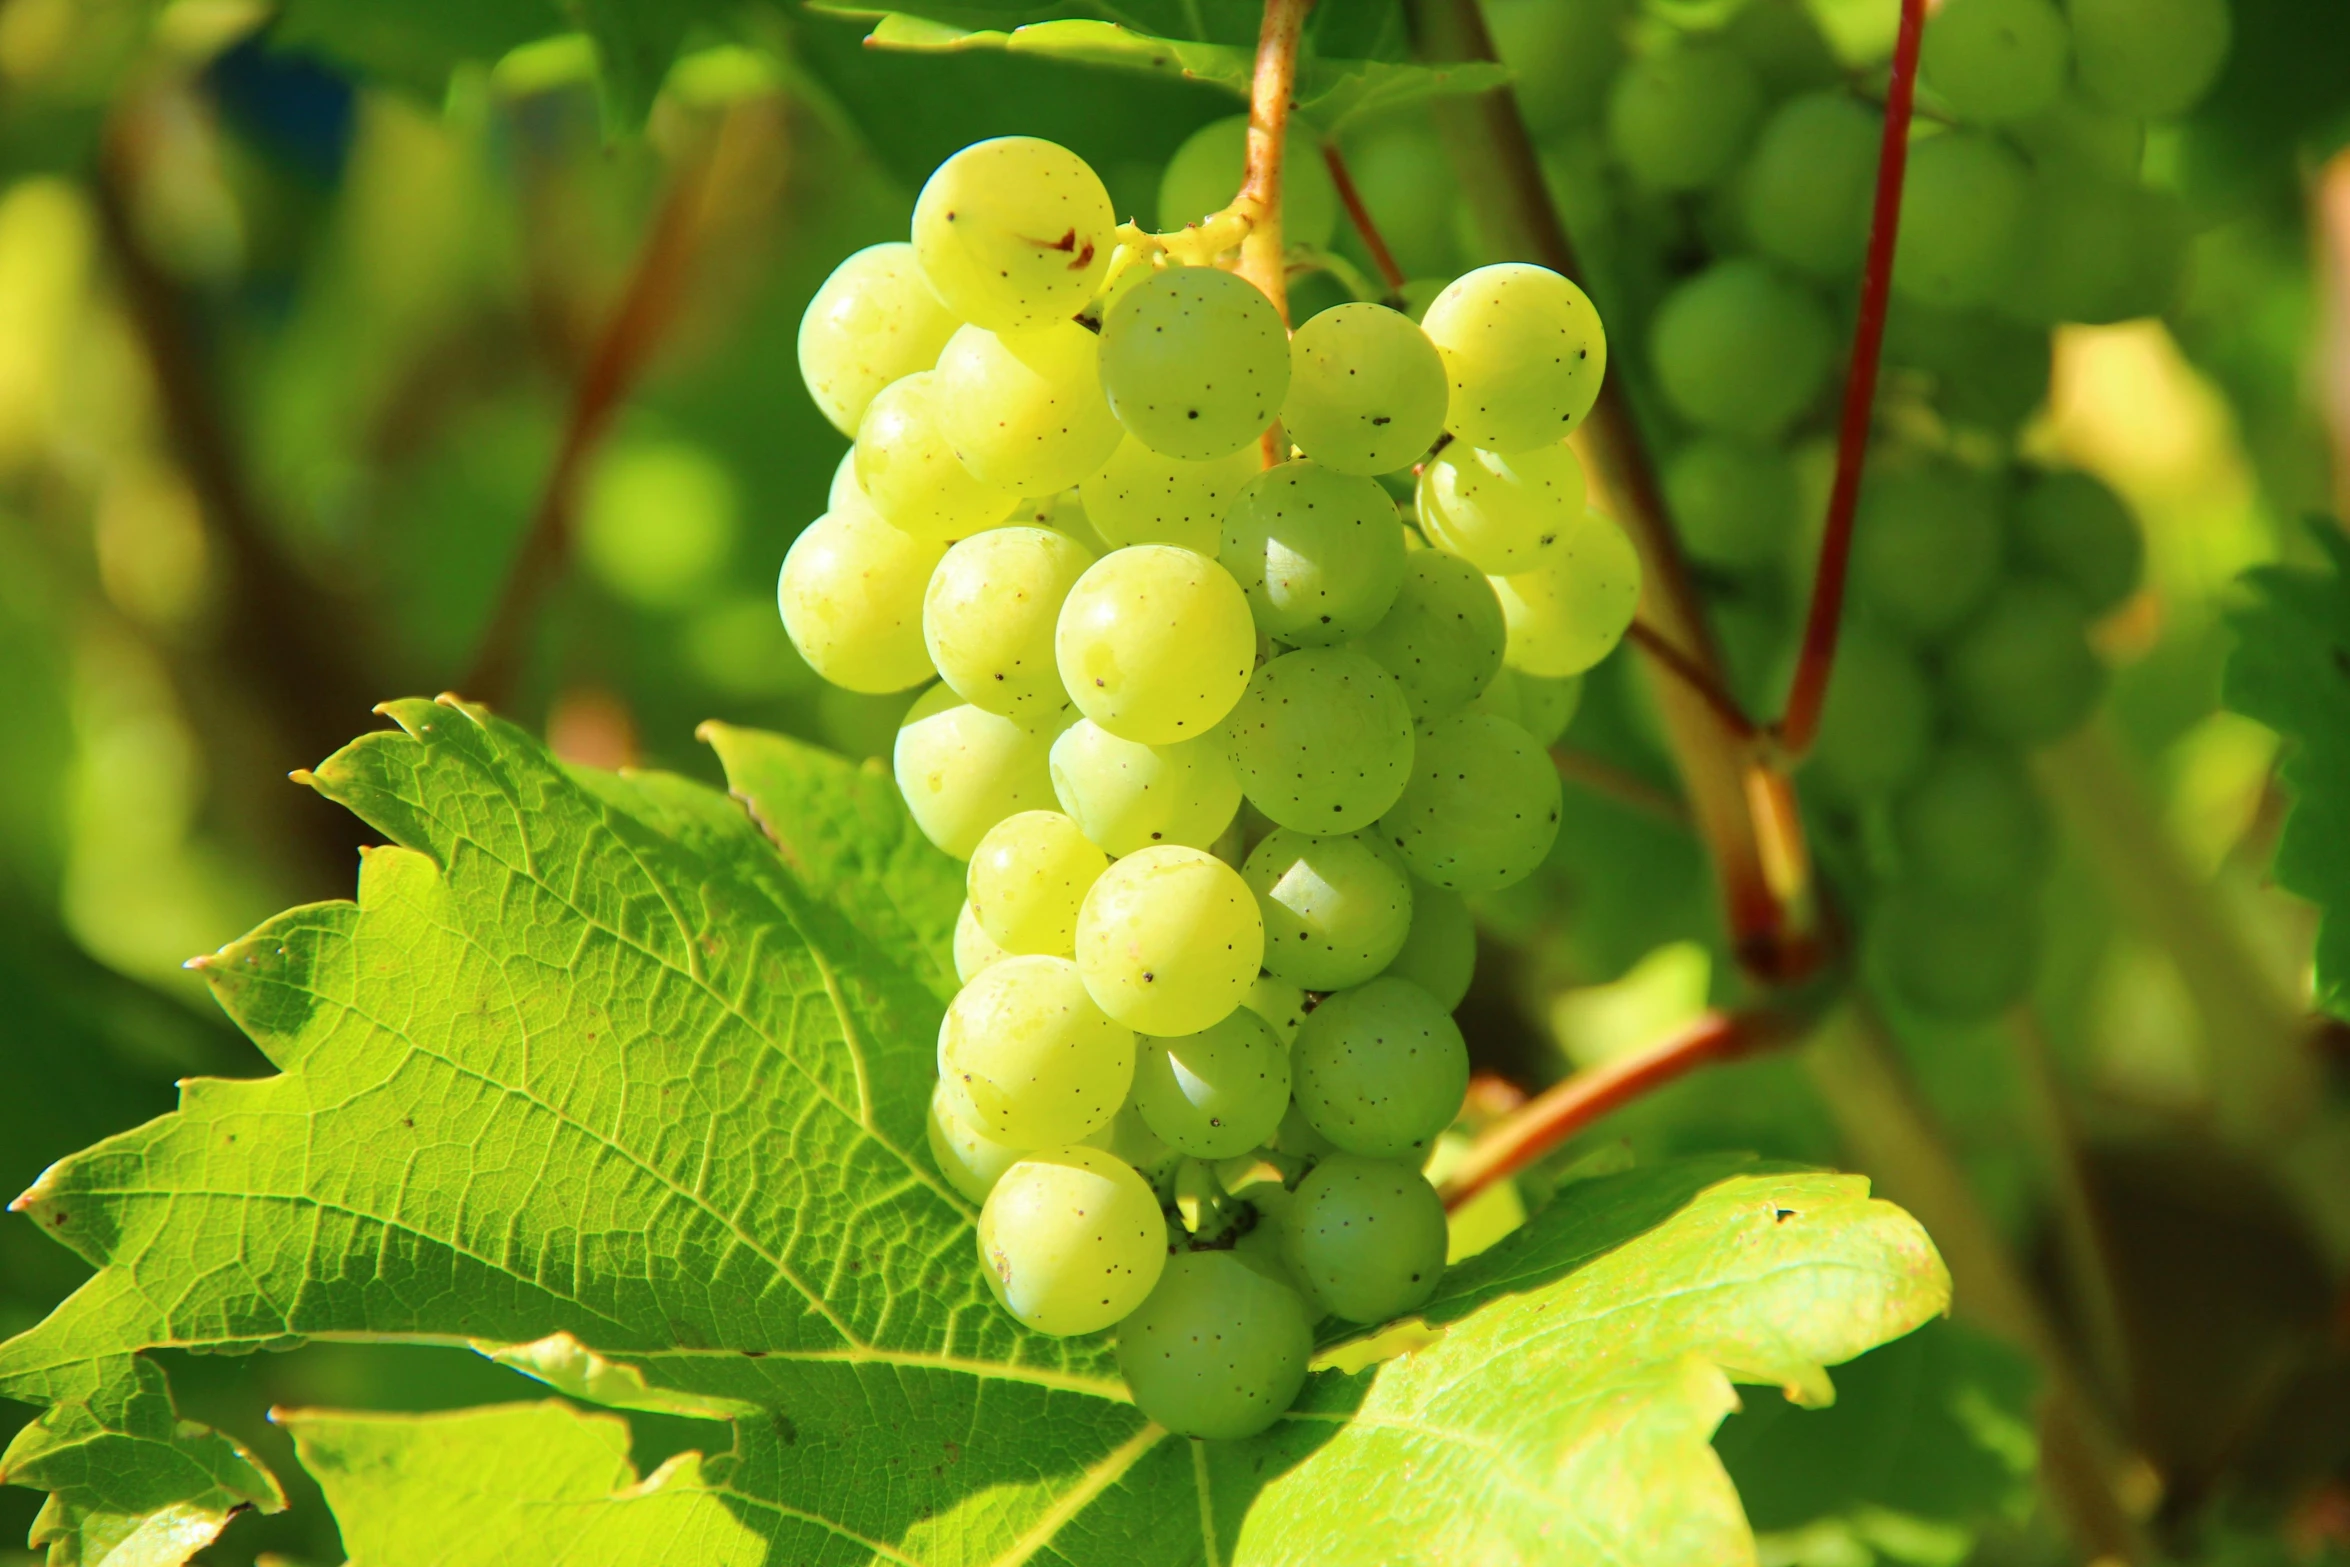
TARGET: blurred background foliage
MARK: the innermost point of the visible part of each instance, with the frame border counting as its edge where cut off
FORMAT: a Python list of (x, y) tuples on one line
[(310, 315)]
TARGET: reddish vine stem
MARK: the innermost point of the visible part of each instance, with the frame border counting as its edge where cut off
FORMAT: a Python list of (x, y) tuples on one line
[(1695, 676), (1620, 785), (1360, 216), (1817, 660)]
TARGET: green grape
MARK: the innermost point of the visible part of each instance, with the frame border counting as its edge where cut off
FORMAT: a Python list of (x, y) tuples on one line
[(2022, 671), (1336, 909), (1563, 54), (1875, 726), (1028, 1058), (1442, 639), (1367, 1237), (1063, 513), (2152, 58), (1806, 193), (1014, 233), (1501, 514), (1206, 171), (1155, 643), (1971, 825), (1219, 1349), (1367, 390), (1196, 362), (910, 474), (1296, 1135), (1169, 940), (1741, 349), (1680, 117), (657, 522), (1026, 410), (1997, 60), (1568, 614), (975, 949), (1546, 706), (1925, 545), (1785, 46), (988, 618), (1960, 961), (1281, 1004), (1401, 170), (1129, 1139), (1127, 796), (1322, 740), (2071, 526), (1989, 371), (874, 320), (1963, 209), (963, 769), (1217, 1093), (851, 598), (2096, 250), (1523, 353), (1482, 807), (1319, 553), (1381, 1069), (1440, 953), (1140, 497), (1071, 1240), (971, 1160), (1027, 879), (1734, 503), (2085, 138)]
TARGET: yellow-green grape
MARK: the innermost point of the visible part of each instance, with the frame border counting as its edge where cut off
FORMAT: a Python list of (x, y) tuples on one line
[(988, 617), (1130, 1139), (975, 949), (1025, 409), (1296, 1135), (1027, 1058), (1963, 207), (1925, 545), (1014, 233), (1063, 513), (2154, 58), (1319, 553), (1206, 171), (1964, 960), (1219, 1349), (1972, 826), (1196, 362), (2071, 525), (1281, 1004), (1501, 699), (1366, 1236), (851, 597), (1071, 1240), (1169, 940), (962, 769), (910, 474), (1443, 638), (1367, 390), (1027, 878), (844, 489), (1742, 349), (874, 320), (1322, 740), (1381, 1069), (1805, 193), (1681, 117), (1996, 60), (1140, 497), (1217, 1093), (1127, 796), (1734, 503), (2085, 137), (1440, 953), (1336, 910), (1155, 643), (1546, 706), (1523, 353), (2022, 671), (2095, 249), (1501, 513), (1571, 612), (1878, 720), (971, 1160), (1482, 807)]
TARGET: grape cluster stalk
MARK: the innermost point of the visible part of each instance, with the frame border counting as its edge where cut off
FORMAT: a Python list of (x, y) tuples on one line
[(1224, 744)]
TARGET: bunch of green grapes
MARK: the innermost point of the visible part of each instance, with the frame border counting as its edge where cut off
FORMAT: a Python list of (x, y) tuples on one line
[(1066, 503)]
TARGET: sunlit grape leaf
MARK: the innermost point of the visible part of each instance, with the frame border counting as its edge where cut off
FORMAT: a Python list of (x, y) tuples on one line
[(2291, 671), (595, 1078)]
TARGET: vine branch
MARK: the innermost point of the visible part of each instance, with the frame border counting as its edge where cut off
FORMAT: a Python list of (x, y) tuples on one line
[(1360, 216), (1272, 93), (1701, 681)]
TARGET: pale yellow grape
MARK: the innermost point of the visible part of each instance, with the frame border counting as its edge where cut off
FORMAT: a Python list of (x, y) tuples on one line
[(1072, 1240), (1155, 643), (971, 1160), (844, 489), (1063, 513), (1501, 513), (910, 473), (1217, 1093), (975, 949), (988, 617), (1523, 352), (1570, 613), (1169, 940), (1320, 553), (1126, 796), (1140, 497), (1028, 1059), (1322, 740), (1367, 390), (1027, 878), (851, 598), (962, 769), (1482, 807), (1014, 233), (874, 320), (1026, 409), (1196, 361)]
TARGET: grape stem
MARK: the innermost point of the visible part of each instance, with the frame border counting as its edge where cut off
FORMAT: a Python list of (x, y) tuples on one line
[(1692, 674), (1360, 216), (1800, 724), (1272, 93)]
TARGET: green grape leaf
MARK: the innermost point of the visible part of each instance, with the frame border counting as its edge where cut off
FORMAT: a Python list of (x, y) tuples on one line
[(595, 1077), (2291, 671)]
